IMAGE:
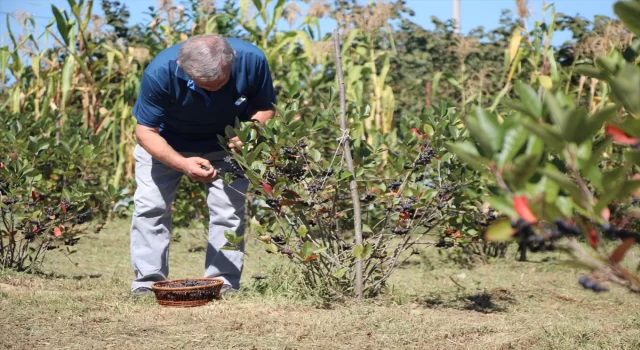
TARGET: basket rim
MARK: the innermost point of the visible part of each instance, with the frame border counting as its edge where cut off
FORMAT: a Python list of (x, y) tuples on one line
[(155, 285)]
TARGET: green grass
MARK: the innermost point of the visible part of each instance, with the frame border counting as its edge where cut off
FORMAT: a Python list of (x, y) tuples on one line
[(433, 305)]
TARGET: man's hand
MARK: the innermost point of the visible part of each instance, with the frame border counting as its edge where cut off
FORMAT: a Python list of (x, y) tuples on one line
[(235, 144), (196, 169), (260, 117)]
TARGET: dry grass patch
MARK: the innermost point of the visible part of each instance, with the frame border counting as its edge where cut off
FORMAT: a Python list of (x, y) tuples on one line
[(506, 305)]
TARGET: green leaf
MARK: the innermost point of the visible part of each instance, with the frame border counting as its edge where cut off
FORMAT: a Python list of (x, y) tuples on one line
[(565, 183), (591, 72), (67, 77), (485, 129), (534, 145), (559, 115), (468, 153), (550, 137), (625, 87), (358, 252), (340, 273), (529, 98), (61, 22), (594, 123), (629, 14), (633, 157), (315, 155), (575, 122), (307, 249), (366, 228), (302, 231), (514, 139), (502, 205), (523, 168), (500, 231)]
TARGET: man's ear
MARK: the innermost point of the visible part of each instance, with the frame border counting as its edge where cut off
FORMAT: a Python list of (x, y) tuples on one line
[(178, 62)]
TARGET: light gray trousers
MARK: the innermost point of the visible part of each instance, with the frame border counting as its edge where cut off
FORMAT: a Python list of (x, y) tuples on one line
[(156, 189)]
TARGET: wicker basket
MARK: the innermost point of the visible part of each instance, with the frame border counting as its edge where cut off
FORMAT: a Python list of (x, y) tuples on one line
[(173, 293)]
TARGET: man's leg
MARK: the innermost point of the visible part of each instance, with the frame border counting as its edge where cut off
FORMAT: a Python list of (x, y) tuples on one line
[(151, 222), (226, 212)]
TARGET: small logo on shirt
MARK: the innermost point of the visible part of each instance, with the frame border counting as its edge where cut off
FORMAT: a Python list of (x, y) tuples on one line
[(240, 100)]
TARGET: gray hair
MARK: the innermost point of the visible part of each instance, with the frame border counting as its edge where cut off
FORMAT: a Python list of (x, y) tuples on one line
[(204, 57)]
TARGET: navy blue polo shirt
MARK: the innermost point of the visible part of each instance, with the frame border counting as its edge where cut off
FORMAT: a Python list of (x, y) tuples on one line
[(190, 118)]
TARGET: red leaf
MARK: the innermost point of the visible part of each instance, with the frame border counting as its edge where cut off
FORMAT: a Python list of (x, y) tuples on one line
[(593, 238), (620, 136), (521, 205), (64, 207), (34, 195), (295, 195), (57, 232), (1, 165), (311, 257), (622, 249), (415, 131), (267, 188)]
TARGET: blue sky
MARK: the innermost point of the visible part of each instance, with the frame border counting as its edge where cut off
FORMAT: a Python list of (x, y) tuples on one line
[(474, 13)]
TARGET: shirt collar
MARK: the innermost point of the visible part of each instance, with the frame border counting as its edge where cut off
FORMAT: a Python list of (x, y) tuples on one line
[(190, 83)]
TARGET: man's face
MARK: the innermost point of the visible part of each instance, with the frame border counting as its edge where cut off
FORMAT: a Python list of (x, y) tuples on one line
[(215, 85)]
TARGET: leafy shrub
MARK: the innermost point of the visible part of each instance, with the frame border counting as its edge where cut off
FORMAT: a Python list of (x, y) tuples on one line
[(409, 187), (50, 190), (549, 160)]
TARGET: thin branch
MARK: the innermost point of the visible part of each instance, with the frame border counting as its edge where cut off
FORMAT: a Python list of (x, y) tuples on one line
[(349, 160)]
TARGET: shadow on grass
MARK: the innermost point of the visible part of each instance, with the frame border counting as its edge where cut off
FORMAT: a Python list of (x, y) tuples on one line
[(493, 301), (55, 275)]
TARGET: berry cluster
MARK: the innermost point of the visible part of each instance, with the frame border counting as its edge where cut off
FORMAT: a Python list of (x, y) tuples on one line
[(290, 153), (82, 217), (400, 231), (293, 172), (425, 156), (592, 284), (272, 202), (369, 197), (487, 218), (236, 169), (327, 172), (315, 186), (442, 243), (395, 185), (528, 238)]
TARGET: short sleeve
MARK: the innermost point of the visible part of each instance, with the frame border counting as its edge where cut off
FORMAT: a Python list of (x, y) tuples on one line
[(152, 102), (264, 95)]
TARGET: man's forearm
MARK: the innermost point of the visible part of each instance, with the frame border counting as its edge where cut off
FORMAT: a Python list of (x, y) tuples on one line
[(263, 116), (156, 145)]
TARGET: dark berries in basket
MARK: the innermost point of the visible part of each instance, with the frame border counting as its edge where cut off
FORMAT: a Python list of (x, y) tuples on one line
[(395, 185), (267, 161), (302, 144)]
